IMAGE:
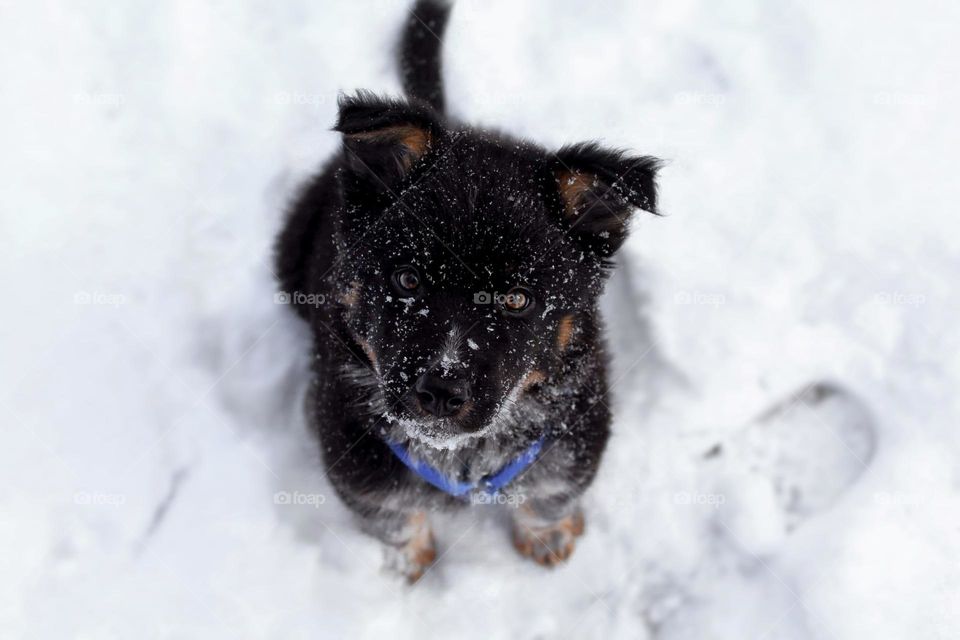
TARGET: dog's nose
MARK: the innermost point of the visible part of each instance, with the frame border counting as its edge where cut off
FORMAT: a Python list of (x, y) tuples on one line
[(441, 397)]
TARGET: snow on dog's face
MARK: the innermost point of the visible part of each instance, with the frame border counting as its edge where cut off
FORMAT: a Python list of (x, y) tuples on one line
[(466, 259)]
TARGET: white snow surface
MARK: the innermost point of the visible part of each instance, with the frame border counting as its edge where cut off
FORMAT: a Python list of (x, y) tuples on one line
[(156, 476)]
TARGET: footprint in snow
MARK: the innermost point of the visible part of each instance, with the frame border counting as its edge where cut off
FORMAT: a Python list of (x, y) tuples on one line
[(794, 460)]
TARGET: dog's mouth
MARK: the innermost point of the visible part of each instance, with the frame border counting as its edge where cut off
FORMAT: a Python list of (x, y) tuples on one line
[(438, 433), (412, 412), (408, 420), (477, 420)]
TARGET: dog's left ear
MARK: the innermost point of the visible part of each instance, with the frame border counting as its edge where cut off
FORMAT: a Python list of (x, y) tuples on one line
[(599, 189)]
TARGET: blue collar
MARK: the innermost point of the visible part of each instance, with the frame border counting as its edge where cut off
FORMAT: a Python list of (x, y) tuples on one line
[(490, 484)]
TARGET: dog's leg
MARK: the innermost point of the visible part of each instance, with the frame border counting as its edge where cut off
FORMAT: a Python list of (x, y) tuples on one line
[(545, 533), (408, 539)]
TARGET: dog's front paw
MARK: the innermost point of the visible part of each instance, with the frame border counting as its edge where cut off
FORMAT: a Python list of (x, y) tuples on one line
[(547, 544), (412, 558)]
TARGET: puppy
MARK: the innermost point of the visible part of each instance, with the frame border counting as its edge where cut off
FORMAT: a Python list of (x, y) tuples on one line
[(450, 277)]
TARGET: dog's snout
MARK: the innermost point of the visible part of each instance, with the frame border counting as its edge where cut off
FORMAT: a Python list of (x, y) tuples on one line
[(441, 397)]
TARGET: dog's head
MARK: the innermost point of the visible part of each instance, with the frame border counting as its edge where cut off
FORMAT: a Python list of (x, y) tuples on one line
[(468, 259)]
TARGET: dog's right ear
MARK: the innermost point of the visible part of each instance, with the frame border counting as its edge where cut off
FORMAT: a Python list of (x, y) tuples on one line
[(384, 139), (599, 189)]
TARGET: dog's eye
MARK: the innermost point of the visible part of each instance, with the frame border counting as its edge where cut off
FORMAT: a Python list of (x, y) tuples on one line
[(407, 279), (517, 300)]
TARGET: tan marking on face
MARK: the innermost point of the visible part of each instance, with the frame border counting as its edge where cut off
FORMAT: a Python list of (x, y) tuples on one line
[(564, 332), (573, 184), (534, 377), (350, 298), (415, 141), (371, 354)]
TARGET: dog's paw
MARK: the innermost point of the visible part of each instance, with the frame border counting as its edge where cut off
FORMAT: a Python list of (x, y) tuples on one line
[(412, 559), (548, 544)]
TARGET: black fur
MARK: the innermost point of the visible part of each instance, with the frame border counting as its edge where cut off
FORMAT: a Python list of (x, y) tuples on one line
[(472, 212), (420, 48)]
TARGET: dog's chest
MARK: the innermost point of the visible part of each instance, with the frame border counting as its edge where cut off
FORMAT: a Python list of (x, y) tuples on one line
[(470, 463)]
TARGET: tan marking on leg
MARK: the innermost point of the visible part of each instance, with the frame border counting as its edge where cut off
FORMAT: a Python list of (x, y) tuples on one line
[(420, 550), (546, 544), (564, 332)]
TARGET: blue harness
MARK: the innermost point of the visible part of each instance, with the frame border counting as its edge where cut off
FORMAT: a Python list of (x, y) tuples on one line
[(490, 484)]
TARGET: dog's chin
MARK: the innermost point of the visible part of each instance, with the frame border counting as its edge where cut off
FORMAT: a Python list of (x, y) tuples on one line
[(437, 433)]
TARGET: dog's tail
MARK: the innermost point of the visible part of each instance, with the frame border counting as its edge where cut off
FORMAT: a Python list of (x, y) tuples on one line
[(420, 49)]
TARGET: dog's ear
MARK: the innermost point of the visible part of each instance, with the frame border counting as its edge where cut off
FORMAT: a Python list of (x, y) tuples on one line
[(599, 189), (384, 139)]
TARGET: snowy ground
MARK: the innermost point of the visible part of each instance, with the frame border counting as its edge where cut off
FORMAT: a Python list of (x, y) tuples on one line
[(151, 389)]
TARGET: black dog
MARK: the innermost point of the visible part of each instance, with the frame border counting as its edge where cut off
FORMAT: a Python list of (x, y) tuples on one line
[(450, 277)]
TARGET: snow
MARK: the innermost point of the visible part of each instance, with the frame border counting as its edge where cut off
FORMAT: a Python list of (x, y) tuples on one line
[(156, 478)]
